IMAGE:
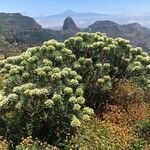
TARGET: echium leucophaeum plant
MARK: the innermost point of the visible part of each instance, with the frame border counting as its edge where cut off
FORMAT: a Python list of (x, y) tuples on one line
[(41, 95), (103, 61)]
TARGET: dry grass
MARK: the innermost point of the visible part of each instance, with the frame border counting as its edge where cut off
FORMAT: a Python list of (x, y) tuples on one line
[(3, 144)]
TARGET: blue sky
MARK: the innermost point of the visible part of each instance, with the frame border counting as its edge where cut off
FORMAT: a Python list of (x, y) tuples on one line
[(49, 7)]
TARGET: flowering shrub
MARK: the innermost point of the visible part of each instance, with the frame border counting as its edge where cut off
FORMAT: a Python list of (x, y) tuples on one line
[(41, 96), (103, 61)]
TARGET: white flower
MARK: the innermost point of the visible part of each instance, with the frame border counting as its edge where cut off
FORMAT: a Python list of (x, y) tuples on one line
[(8, 66), (86, 117), (137, 63), (49, 103), (47, 62), (19, 105), (79, 92), (144, 54), (12, 97), (77, 66), (23, 87), (73, 73), (98, 65), (87, 110), (37, 92), (101, 81), (122, 41), (80, 100), (64, 73), (50, 49), (77, 107), (139, 58), (25, 75), (59, 58), (126, 60), (66, 51), (106, 49), (75, 122), (73, 99), (106, 65), (68, 90), (16, 69), (136, 68), (148, 67), (107, 78), (32, 59), (56, 97), (78, 77), (74, 82), (56, 70), (56, 76)]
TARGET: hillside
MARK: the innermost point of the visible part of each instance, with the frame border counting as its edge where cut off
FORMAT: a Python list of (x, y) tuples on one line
[(91, 92), (14, 23), (20, 32)]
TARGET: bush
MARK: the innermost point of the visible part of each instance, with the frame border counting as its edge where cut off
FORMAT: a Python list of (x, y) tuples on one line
[(103, 61), (41, 96)]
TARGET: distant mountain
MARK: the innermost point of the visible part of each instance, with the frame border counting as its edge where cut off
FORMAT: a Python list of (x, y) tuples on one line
[(83, 20), (137, 34)]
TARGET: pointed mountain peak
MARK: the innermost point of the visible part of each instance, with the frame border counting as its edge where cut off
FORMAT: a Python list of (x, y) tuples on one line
[(69, 24)]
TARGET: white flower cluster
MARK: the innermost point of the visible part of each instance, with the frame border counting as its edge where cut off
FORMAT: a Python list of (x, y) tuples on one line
[(23, 87), (76, 107), (98, 45), (54, 43), (73, 82), (32, 59), (105, 82), (80, 100), (68, 90), (73, 100), (49, 103), (36, 92), (75, 122), (122, 41), (84, 61), (66, 52), (87, 110), (79, 92), (56, 97), (47, 62), (16, 69)]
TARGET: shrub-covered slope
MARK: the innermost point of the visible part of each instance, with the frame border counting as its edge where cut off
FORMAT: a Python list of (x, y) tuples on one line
[(49, 91)]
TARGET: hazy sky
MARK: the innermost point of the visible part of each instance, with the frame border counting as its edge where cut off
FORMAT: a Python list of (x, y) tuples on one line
[(49, 7)]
